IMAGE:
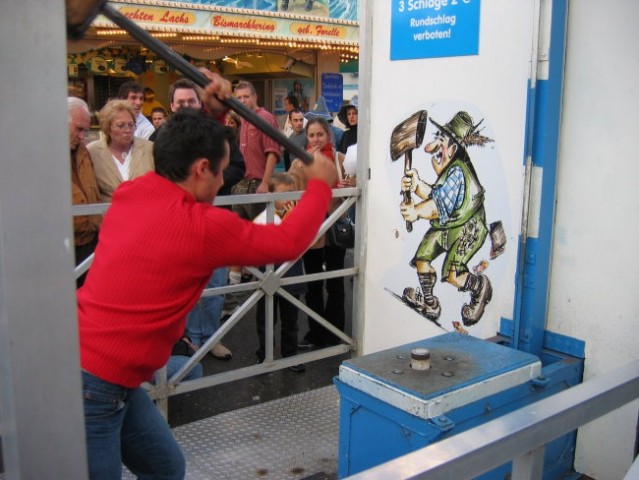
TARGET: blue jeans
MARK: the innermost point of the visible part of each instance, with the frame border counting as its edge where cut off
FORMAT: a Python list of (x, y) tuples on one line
[(123, 426), (204, 320), (176, 362)]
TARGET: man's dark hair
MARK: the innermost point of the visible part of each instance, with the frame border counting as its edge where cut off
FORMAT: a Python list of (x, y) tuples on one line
[(185, 137), (183, 83), (295, 110), (160, 110), (127, 87), (293, 100)]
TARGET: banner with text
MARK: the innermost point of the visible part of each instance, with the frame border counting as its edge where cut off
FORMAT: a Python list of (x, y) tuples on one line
[(231, 22), (434, 28)]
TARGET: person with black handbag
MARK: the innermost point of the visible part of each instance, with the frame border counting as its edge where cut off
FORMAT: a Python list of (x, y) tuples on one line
[(324, 254)]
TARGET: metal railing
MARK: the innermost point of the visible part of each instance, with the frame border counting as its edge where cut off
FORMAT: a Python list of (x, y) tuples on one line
[(519, 436), (267, 284)]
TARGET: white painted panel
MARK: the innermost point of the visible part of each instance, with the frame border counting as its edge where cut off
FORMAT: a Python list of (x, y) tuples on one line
[(595, 275), (492, 86)]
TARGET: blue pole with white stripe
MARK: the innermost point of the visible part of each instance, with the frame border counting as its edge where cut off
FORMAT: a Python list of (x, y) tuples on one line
[(533, 279)]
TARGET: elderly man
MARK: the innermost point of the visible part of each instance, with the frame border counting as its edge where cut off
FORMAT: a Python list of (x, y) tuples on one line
[(84, 187)]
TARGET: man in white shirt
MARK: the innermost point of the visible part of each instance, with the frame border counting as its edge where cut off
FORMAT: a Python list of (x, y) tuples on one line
[(291, 103), (133, 93)]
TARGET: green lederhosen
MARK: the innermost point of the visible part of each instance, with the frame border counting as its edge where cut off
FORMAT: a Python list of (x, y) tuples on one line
[(464, 234)]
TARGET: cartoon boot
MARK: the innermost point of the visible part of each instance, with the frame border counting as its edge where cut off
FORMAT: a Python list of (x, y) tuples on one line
[(424, 302), (481, 292), (284, 5), (309, 5)]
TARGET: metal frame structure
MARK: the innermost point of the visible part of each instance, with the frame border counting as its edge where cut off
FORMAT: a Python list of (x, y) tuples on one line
[(41, 413), (542, 146), (268, 284)]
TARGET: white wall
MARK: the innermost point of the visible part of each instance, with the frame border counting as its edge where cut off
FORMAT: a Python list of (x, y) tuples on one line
[(491, 86), (594, 280), (595, 268)]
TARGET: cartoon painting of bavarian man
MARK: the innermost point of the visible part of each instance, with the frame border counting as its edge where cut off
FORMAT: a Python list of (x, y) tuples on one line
[(454, 204)]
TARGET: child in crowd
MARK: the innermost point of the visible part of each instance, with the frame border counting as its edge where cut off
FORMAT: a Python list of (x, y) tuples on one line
[(282, 182), (158, 117)]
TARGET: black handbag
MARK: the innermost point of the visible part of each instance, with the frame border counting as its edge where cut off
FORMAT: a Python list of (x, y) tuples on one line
[(341, 234)]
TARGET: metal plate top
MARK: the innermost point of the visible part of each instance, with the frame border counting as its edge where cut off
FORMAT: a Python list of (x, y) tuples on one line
[(468, 367)]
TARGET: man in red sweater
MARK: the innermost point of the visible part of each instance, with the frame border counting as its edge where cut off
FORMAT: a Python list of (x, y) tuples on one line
[(159, 242)]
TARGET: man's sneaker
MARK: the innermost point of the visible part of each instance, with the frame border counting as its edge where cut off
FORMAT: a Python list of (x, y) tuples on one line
[(220, 352), (430, 308), (479, 298)]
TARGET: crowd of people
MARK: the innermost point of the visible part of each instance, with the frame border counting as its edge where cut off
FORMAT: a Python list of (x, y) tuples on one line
[(162, 242)]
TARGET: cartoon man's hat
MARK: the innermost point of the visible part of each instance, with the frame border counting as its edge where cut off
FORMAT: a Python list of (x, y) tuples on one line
[(321, 110), (461, 129)]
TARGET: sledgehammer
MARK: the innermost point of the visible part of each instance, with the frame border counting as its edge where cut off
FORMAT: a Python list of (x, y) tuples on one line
[(406, 137), (80, 14)]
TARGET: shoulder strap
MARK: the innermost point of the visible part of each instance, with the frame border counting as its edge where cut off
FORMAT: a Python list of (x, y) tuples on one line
[(339, 164)]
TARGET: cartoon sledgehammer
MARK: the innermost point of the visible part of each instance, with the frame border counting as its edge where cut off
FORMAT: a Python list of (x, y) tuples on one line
[(406, 137)]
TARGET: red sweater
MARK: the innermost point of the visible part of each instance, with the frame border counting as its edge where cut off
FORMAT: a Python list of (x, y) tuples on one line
[(157, 249)]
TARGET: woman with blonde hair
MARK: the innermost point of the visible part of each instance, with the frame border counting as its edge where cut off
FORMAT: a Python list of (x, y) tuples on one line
[(118, 155)]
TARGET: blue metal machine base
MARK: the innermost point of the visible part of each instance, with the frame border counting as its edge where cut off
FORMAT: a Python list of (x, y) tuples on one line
[(387, 409)]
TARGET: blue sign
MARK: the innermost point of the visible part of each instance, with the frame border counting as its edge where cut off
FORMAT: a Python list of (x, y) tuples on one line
[(434, 28), (333, 90)]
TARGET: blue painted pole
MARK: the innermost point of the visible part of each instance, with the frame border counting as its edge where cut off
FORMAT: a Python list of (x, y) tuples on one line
[(533, 278)]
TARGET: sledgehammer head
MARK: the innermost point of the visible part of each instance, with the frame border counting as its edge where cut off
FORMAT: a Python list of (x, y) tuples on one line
[(408, 135), (80, 14)]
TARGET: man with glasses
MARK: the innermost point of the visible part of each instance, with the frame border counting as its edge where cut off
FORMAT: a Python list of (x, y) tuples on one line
[(118, 155)]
